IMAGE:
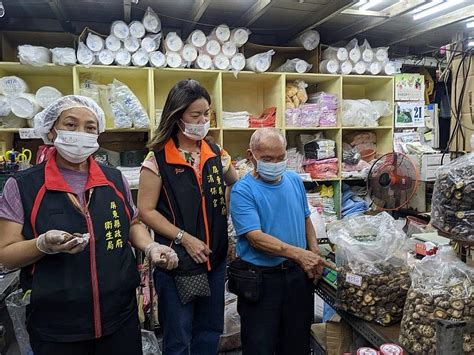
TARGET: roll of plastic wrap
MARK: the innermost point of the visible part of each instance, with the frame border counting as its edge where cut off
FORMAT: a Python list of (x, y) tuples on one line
[(34, 55), (151, 43), (237, 62), (374, 68), (25, 106), (123, 57), (120, 30), (157, 59), (140, 58), (5, 107), (197, 38), (359, 68), (341, 54), (46, 95), (13, 86), (189, 53), (368, 55), (106, 57), (84, 55), (329, 66), (212, 47), (112, 43), (221, 62), (151, 21), (173, 42), (229, 49), (294, 66), (137, 29), (346, 67), (388, 68), (261, 62), (174, 60), (131, 44), (309, 40), (355, 55), (64, 56), (381, 54), (95, 43), (239, 36), (203, 61), (221, 33)]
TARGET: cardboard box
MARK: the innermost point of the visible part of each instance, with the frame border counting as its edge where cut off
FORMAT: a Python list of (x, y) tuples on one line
[(334, 337)]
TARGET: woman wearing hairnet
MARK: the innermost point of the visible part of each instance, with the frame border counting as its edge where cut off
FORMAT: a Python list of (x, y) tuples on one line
[(68, 223)]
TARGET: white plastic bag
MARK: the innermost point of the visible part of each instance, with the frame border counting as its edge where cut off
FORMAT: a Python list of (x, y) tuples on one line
[(197, 38), (34, 55), (261, 62), (112, 43), (319, 225), (174, 60), (203, 61), (84, 55), (132, 105), (95, 43), (359, 113), (106, 57), (221, 33), (157, 59), (173, 42), (13, 86), (359, 68), (367, 52), (329, 66), (382, 107), (295, 65), (239, 36), (151, 43), (237, 62), (221, 62), (374, 68), (309, 40), (120, 30), (345, 67), (64, 56), (140, 58), (16, 305), (212, 47), (137, 29), (123, 57), (381, 54), (354, 51), (131, 44), (229, 49), (189, 53), (151, 21), (340, 54)]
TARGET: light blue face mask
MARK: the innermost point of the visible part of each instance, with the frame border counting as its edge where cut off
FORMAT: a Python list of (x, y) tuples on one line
[(271, 171)]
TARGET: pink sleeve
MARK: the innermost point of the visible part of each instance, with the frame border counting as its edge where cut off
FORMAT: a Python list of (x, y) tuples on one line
[(151, 164), (130, 198), (11, 207)]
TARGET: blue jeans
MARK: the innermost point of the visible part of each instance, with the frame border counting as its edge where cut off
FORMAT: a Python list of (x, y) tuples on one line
[(193, 328)]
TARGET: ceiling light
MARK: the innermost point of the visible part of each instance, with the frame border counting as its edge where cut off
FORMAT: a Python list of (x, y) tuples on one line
[(370, 4), (427, 6), (434, 10), (470, 24)]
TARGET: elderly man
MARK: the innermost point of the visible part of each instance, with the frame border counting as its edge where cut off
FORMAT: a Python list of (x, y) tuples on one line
[(278, 252)]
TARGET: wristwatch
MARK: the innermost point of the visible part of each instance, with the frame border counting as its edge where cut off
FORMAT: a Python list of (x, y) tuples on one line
[(179, 237)]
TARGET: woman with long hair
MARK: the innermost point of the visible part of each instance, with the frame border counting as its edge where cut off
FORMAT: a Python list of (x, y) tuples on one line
[(182, 197)]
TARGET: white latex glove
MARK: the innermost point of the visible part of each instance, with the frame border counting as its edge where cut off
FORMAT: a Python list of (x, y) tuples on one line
[(162, 256), (55, 241)]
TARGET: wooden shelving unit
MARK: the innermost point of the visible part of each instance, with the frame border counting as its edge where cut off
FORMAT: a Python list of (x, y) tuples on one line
[(246, 91)]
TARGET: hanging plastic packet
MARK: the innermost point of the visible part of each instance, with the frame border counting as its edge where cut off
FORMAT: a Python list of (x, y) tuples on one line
[(212, 47), (123, 57), (64, 56), (309, 40), (137, 29), (13, 86), (345, 67), (95, 43), (173, 42), (132, 105), (294, 66), (174, 60), (374, 68), (381, 54), (329, 66), (237, 62), (34, 55), (221, 33), (46, 95), (120, 30), (140, 58), (203, 61), (112, 43), (359, 68), (151, 21), (189, 53), (84, 55), (354, 51), (157, 59), (239, 36), (151, 43), (229, 49), (367, 52), (131, 44), (221, 62), (5, 107), (341, 54), (261, 62), (106, 57), (25, 106)]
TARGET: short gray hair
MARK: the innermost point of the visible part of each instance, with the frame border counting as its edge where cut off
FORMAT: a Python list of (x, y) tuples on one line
[(263, 133)]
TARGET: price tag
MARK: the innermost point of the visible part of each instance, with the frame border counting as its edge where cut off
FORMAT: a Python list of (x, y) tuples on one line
[(354, 279), (28, 133)]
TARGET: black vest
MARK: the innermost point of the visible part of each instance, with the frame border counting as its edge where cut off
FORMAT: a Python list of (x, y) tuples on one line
[(197, 207), (90, 294)]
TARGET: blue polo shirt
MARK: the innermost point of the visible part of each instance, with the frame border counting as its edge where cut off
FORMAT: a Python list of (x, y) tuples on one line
[(277, 209)]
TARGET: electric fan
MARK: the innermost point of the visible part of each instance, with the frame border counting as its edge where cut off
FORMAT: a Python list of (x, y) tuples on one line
[(392, 181)]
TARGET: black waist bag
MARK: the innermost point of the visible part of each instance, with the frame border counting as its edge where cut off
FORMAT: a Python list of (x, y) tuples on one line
[(244, 281)]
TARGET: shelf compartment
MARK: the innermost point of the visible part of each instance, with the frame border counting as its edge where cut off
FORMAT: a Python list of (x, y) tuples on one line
[(236, 143), (384, 139), (359, 128), (312, 128)]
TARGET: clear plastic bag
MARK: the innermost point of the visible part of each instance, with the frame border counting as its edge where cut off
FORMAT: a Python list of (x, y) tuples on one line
[(295, 65), (309, 40), (230, 339), (367, 52), (34, 55), (452, 207), (151, 21), (131, 104), (150, 344), (354, 51), (85, 55), (359, 113), (261, 62), (64, 56), (373, 277), (441, 288), (16, 305)]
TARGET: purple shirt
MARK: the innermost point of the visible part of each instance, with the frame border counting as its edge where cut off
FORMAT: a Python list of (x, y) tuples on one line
[(10, 201)]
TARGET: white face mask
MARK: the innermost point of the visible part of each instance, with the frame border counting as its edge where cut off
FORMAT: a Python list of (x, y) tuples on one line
[(75, 147), (195, 131)]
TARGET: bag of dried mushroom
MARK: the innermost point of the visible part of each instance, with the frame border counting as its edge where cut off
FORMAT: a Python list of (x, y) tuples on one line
[(442, 288), (372, 275), (453, 198)]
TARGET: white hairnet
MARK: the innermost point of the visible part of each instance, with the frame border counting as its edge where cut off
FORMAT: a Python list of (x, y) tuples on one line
[(44, 120)]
